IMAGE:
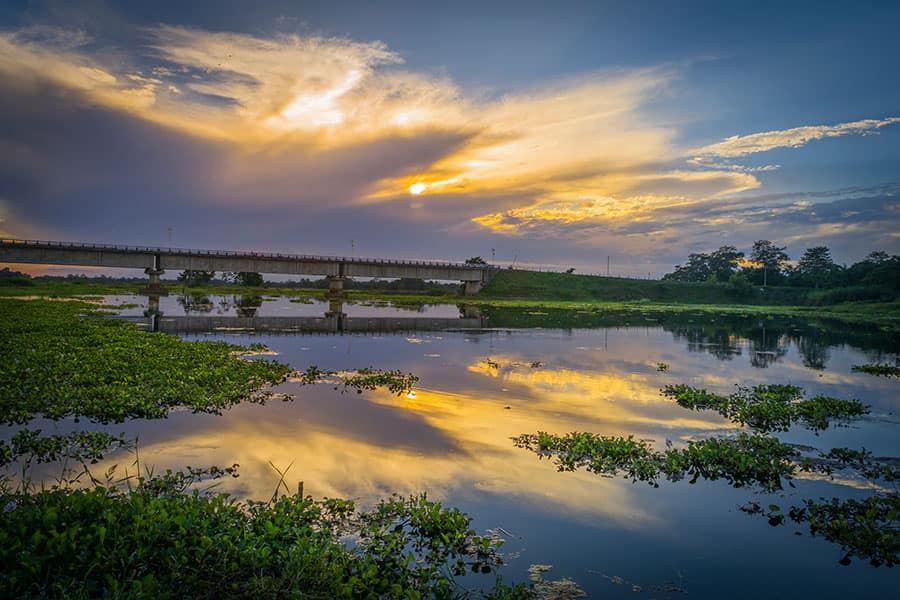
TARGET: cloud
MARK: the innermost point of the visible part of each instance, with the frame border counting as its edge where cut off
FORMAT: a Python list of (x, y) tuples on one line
[(301, 136), (742, 145)]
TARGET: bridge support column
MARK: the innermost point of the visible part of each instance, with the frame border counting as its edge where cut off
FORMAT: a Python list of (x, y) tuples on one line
[(155, 288), (153, 313), (471, 311), (335, 307), (473, 287), (335, 288)]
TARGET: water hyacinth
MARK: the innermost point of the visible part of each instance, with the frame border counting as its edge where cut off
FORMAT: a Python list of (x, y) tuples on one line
[(765, 408)]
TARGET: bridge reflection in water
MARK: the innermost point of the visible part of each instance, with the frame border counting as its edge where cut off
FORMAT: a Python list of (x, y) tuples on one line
[(335, 321)]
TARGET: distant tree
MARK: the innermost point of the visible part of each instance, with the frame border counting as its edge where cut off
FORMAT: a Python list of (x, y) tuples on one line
[(475, 261), (570, 270), (695, 269), (877, 257), (719, 265), (723, 263), (769, 257), (816, 265), (878, 269), (246, 278), (194, 277)]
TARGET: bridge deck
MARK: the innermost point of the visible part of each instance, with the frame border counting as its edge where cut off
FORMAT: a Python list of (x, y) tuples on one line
[(160, 259), (77, 246)]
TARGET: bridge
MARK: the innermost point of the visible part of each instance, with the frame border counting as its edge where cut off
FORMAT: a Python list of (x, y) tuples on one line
[(156, 261)]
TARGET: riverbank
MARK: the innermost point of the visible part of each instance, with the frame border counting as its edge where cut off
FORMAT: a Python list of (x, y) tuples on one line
[(682, 298)]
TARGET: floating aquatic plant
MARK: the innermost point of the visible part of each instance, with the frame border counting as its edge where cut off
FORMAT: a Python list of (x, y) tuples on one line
[(395, 381), (61, 359), (744, 460), (881, 370), (766, 408)]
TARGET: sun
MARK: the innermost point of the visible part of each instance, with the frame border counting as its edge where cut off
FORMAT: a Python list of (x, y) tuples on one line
[(417, 188)]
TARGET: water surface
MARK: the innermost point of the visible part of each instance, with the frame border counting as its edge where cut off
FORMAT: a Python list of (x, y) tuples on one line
[(524, 371)]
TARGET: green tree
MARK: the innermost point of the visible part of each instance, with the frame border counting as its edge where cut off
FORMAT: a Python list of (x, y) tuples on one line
[(246, 278), (769, 257), (718, 265), (695, 269), (195, 277), (723, 263), (816, 265), (475, 261)]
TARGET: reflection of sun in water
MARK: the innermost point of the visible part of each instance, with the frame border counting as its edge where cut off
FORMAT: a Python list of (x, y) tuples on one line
[(417, 188)]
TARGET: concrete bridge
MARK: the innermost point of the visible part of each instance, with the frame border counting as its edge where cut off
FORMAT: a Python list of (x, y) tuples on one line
[(156, 261)]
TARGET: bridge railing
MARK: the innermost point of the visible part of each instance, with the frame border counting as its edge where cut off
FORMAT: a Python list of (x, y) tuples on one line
[(234, 254)]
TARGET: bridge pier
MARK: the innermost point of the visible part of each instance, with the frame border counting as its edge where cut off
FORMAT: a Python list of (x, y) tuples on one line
[(335, 307), (155, 287), (336, 288)]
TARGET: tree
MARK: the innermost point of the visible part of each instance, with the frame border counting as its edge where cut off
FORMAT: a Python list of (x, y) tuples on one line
[(246, 278), (696, 269), (475, 261), (816, 264), (723, 263), (194, 277), (769, 257), (877, 257), (719, 265)]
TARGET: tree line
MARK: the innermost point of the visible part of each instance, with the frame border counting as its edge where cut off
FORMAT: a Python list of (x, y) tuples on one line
[(769, 265)]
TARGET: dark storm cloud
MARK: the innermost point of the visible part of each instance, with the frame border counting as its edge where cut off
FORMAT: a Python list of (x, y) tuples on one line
[(88, 172)]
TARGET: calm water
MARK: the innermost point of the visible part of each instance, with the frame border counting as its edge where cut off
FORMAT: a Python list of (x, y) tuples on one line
[(538, 370)]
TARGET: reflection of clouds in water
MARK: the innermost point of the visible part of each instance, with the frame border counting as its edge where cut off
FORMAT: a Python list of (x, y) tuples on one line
[(452, 437), (335, 463)]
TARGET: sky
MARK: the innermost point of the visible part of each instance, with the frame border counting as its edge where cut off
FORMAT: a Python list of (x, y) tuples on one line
[(544, 134)]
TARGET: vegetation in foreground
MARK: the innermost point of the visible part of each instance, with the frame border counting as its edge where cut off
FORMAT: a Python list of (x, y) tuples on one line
[(160, 536)]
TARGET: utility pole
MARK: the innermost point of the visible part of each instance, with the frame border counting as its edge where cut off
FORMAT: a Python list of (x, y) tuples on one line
[(492, 255), (607, 266)]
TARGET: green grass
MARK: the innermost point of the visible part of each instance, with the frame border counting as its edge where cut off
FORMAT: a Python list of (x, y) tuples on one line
[(563, 286)]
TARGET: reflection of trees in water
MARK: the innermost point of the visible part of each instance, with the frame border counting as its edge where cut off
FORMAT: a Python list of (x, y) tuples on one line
[(246, 306), (721, 335), (767, 346), (769, 340), (813, 352), (716, 341), (195, 303), (880, 356)]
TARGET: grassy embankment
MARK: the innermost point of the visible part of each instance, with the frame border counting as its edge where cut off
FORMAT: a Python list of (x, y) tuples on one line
[(515, 288)]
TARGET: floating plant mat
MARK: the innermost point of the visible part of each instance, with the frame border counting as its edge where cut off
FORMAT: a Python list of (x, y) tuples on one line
[(880, 370)]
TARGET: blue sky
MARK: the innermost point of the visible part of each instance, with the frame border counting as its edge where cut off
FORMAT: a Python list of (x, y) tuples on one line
[(558, 133)]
